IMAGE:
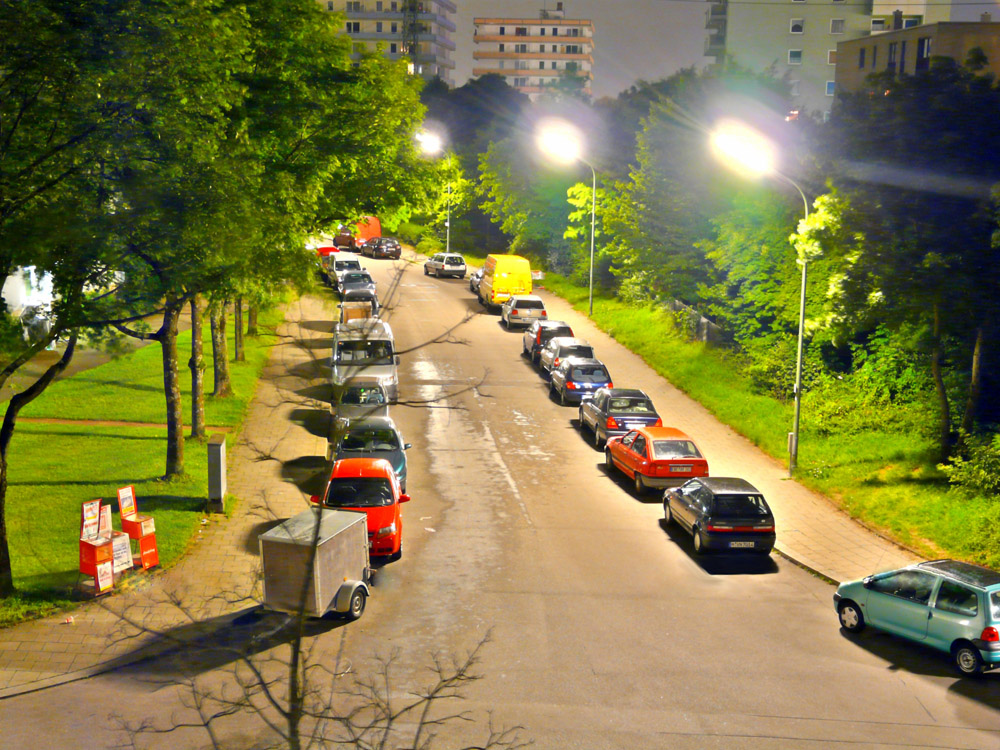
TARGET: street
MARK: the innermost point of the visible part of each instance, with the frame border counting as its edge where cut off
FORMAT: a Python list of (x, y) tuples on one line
[(605, 630)]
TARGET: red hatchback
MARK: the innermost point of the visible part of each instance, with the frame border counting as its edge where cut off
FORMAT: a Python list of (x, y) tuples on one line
[(370, 485), (655, 457)]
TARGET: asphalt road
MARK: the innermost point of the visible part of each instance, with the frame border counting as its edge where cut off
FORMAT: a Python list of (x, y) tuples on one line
[(604, 630)]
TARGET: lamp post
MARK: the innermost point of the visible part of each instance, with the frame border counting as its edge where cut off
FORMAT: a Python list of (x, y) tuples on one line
[(447, 224), (562, 143), (751, 154), (432, 145)]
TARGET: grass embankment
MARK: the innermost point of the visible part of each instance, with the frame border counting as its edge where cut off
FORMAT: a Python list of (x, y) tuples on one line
[(886, 479), (55, 467)]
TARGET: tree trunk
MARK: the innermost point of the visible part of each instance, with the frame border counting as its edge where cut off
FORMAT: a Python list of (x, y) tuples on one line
[(975, 385), (18, 402), (172, 389), (944, 417), (197, 366), (238, 354), (251, 320), (220, 354)]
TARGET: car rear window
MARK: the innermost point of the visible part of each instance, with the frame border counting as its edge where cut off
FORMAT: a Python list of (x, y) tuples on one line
[(589, 374), (370, 440), (347, 265), (364, 352), (995, 605), (733, 506), (551, 333), (576, 351), (363, 396), (675, 449), (631, 406), (958, 599), (530, 304), (454, 262), (358, 492)]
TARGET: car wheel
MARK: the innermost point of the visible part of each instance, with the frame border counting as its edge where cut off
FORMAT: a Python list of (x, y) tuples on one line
[(580, 419), (967, 659), (562, 398), (356, 608), (535, 357), (608, 462), (640, 486), (506, 323), (699, 543), (426, 271), (397, 554), (850, 616), (668, 515), (598, 440), (524, 351), (462, 276)]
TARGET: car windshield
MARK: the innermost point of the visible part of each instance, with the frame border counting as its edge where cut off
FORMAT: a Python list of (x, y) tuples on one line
[(358, 492), (742, 506), (631, 406), (530, 304), (364, 352), (363, 396), (675, 449), (368, 440), (589, 374), (355, 277)]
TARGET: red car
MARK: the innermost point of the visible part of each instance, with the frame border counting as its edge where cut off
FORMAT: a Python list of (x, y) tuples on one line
[(655, 457), (370, 485)]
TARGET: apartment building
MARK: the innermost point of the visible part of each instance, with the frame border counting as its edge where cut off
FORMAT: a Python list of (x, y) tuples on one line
[(418, 30), (533, 53), (908, 50)]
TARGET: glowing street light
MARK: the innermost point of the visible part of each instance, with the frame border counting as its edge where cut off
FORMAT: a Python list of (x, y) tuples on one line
[(562, 143), (432, 144), (750, 154)]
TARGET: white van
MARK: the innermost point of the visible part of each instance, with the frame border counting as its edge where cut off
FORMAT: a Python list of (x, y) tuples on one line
[(342, 263)]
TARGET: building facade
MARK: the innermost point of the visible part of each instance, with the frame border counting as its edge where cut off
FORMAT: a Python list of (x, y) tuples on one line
[(420, 30), (533, 53), (909, 50)]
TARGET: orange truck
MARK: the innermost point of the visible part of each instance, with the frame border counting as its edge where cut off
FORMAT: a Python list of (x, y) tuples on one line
[(368, 228)]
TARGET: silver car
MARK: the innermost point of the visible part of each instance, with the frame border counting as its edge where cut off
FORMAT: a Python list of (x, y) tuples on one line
[(445, 264), (522, 310), (561, 347), (374, 437), (365, 348), (356, 280)]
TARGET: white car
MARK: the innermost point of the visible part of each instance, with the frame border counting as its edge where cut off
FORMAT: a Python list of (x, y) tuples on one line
[(560, 348), (445, 264), (522, 310)]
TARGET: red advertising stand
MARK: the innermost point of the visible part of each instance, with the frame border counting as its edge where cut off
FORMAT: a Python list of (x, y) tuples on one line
[(138, 527), (96, 550)]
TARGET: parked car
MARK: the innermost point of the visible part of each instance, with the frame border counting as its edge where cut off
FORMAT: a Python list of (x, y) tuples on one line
[(722, 514), (344, 263), (948, 605), (503, 275), (539, 333), (615, 411), (655, 457), (345, 240), (365, 347), (559, 348), (358, 398), (445, 264), (522, 309), (382, 247), (577, 378), (370, 486), (353, 280), (474, 280), (374, 437)]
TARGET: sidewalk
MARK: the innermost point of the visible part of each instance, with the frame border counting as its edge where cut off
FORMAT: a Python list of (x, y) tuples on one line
[(35, 655)]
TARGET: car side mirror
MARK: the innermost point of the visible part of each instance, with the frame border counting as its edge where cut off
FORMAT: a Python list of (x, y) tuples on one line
[(867, 582), (679, 491), (314, 499), (407, 446), (397, 359), (404, 498)]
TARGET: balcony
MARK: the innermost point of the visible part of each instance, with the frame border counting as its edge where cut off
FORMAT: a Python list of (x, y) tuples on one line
[(716, 15), (715, 46)]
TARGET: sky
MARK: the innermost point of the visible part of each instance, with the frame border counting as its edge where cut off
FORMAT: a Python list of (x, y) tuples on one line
[(633, 39)]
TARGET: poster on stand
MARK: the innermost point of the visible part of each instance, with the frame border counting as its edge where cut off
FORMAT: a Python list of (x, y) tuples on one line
[(104, 526), (105, 578), (126, 501), (90, 519), (122, 547)]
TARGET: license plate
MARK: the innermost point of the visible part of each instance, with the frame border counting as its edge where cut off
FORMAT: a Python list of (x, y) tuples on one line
[(633, 425), (741, 545), (680, 469)]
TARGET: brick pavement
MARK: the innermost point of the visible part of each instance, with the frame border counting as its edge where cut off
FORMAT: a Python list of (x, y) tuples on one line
[(34, 655)]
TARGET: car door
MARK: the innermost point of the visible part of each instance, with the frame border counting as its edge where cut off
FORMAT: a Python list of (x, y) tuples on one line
[(621, 449), (956, 614), (684, 506), (638, 461), (592, 409), (899, 602)]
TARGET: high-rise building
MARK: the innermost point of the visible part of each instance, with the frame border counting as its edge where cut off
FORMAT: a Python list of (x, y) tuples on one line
[(419, 30), (532, 53)]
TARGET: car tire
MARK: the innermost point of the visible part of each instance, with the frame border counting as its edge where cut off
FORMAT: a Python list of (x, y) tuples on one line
[(968, 662), (579, 418), (462, 276), (640, 486), (426, 271), (699, 543), (562, 398), (356, 607), (524, 351), (850, 616), (506, 323), (668, 515), (608, 461), (598, 440)]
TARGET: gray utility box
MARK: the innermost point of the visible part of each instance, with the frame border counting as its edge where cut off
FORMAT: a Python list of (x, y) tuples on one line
[(342, 571)]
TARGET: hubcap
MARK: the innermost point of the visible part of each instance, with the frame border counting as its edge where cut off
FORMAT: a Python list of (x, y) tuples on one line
[(848, 617), (966, 660)]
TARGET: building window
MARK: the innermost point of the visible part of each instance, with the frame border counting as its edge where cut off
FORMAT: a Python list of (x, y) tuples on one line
[(574, 32), (878, 24), (902, 56), (874, 56), (541, 31), (541, 64), (555, 32), (393, 28), (520, 31), (329, 5), (793, 87), (831, 57), (571, 49), (393, 7), (520, 47), (796, 26), (861, 58), (501, 46), (923, 53), (794, 57), (521, 82), (521, 64), (503, 31), (830, 87), (836, 25), (353, 27), (378, 27), (890, 61), (502, 64), (572, 67), (378, 6), (909, 23), (353, 6)]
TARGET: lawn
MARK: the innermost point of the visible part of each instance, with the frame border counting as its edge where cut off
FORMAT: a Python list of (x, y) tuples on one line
[(887, 480), (54, 468)]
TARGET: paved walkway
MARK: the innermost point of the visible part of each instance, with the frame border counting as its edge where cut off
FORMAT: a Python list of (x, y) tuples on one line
[(264, 465)]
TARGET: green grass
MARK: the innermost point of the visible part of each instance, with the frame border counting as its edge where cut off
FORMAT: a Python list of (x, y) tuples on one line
[(887, 480), (53, 468)]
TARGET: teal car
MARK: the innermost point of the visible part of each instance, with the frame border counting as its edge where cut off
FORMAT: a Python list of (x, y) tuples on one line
[(948, 605)]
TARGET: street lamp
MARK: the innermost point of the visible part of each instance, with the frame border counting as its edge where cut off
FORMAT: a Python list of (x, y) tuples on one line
[(432, 145), (748, 152), (562, 143)]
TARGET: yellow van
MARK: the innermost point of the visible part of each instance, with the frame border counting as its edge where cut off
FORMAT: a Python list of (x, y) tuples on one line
[(503, 277)]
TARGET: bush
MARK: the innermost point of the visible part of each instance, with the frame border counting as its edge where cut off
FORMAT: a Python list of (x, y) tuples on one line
[(979, 472)]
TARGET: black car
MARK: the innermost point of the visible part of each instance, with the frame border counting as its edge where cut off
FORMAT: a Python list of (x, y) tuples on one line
[(578, 378), (538, 334), (722, 514), (382, 247), (615, 411)]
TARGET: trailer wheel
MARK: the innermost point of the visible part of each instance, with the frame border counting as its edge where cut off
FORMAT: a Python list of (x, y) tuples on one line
[(357, 605)]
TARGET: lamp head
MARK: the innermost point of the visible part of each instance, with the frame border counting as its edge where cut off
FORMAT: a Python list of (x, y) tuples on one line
[(559, 141), (743, 149), (430, 143)]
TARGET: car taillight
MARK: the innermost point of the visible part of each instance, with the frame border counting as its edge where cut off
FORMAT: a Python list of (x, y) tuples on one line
[(990, 634), (544, 314), (513, 311), (659, 423), (764, 528), (611, 424), (719, 527), (538, 337), (610, 385), (570, 385), (555, 363)]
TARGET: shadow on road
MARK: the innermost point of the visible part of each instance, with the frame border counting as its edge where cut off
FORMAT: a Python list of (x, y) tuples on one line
[(308, 473), (721, 564), (315, 421), (322, 326), (322, 392)]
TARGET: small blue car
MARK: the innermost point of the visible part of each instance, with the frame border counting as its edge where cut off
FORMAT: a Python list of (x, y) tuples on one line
[(948, 605)]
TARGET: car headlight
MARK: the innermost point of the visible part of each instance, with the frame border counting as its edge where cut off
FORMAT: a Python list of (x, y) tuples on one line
[(386, 530)]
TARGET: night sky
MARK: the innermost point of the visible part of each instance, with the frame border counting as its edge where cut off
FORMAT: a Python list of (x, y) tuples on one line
[(633, 39)]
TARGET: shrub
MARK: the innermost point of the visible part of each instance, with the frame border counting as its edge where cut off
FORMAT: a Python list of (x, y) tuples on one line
[(979, 471)]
